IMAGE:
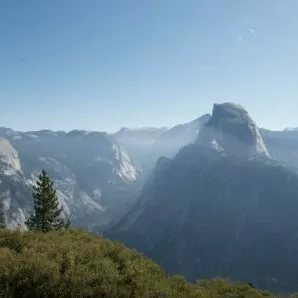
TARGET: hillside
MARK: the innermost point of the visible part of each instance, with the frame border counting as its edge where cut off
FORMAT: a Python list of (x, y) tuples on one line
[(76, 264)]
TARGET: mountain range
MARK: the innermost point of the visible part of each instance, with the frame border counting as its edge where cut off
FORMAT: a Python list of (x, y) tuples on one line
[(95, 179), (216, 196), (221, 207), (146, 145)]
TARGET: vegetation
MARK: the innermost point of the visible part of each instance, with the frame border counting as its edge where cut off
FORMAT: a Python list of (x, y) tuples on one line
[(47, 215), (72, 263), (2, 217)]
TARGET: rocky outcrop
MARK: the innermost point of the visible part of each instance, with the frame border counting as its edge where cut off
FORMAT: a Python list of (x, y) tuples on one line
[(9, 158), (14, 188), (232, 130)]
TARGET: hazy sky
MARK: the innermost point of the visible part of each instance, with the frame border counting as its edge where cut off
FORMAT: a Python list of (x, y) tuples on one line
[(103, 64)]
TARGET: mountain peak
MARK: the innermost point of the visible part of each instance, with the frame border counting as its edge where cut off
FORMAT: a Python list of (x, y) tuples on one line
[(228, 110), (233, 131)]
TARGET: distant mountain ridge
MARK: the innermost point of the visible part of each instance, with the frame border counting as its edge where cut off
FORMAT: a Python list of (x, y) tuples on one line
[(78, 160), (291, 129), (145, 146)]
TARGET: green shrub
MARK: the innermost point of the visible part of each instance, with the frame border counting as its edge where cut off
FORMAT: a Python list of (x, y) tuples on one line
[(72, 263)]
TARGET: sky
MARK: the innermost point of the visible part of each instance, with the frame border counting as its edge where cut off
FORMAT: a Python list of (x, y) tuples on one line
[(105, 64)]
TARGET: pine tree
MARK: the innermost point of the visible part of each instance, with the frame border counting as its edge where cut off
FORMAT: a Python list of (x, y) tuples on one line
[(2, 217), (47, 214)]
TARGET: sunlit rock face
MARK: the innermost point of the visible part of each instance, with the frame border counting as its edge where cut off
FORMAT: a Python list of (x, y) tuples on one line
[(232, 130), (94, 177)]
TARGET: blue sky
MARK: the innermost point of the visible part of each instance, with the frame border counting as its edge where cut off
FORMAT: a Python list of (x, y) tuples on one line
[(103, 64)]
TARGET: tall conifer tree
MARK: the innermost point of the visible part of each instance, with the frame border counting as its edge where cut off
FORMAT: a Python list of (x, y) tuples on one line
[(47, 214), (2, 216)]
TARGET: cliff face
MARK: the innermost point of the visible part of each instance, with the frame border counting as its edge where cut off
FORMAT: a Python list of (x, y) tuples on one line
[(232, 130), (94, 176)]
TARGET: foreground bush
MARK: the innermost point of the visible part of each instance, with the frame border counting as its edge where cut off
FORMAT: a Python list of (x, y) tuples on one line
[(75, 264)]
